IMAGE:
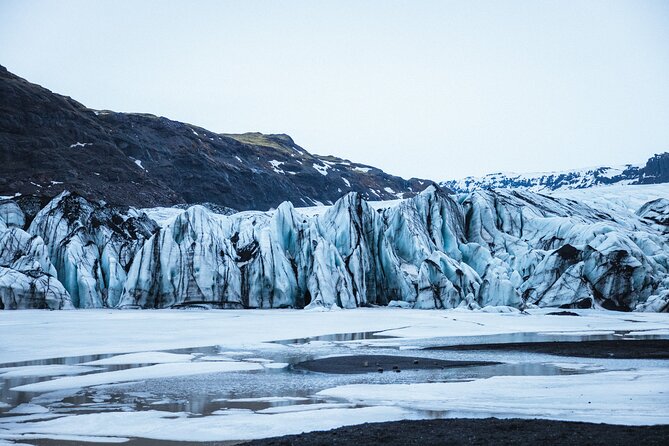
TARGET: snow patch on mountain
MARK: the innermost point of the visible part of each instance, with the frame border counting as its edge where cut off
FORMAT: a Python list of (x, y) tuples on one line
[(321, 168), (276, 166), (80, 144)]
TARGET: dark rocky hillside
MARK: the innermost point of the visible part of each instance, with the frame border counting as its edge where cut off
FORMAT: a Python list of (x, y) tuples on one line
[(50, 143), (656, 170)]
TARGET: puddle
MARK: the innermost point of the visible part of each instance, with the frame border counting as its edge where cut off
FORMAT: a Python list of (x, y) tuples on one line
[(258, 390), (339, 337), (532, 337)]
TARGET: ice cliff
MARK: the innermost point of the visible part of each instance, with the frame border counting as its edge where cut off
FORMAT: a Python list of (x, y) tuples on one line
[(435, 250)]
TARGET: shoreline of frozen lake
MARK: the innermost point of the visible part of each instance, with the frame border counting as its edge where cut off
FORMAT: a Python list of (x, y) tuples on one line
[(228, 375)]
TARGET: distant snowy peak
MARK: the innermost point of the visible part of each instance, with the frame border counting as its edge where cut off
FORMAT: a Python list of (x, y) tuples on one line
[(656, 170), (549, 181)]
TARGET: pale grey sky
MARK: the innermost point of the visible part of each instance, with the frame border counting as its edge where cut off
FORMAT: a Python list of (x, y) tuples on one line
[(433, 89)]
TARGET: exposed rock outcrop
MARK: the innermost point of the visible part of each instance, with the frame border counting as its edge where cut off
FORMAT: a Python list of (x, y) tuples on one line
[(51, 143)]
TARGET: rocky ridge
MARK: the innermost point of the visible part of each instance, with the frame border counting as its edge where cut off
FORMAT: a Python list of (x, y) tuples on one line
[(50, 143)]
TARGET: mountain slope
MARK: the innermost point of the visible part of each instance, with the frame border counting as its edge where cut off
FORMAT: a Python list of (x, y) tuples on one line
[(656, 170), (50, 143)]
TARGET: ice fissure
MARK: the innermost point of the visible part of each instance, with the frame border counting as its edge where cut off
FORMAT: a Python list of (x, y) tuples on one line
[(435, 250)]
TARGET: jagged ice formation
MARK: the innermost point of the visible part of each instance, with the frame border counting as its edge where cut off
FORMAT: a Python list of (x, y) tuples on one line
[(484, 248)]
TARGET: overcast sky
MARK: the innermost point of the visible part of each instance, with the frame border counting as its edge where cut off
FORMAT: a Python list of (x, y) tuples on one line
[(432, 89)]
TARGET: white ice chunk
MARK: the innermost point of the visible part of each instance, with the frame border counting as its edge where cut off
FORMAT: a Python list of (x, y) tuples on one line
[(593, 397), (150, 372), (230, 426), (45, 370), (143, 358)]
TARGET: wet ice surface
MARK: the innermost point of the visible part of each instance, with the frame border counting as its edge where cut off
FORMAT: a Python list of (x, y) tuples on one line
[(252, 390)]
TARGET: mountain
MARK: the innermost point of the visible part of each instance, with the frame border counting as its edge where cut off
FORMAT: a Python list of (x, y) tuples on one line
[(75, 237), (51, 143), (496, 248), (656, 170)]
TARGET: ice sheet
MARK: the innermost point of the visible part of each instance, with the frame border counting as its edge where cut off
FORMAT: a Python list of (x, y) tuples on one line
[(33, 334), (635, 397), (268, 399), (143, 358), (44, 370), (26, 409), (304, 407), (141, 373), (180, 427)]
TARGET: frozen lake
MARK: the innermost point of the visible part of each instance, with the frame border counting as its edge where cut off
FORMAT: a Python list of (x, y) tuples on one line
[(124, 376)]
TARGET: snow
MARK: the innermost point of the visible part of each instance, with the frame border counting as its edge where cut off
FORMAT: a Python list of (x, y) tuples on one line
[(362, 169), (636, 395), (163, 216), (385, 204), (312, 211), (304, 407), (348, 184), (80, 144), (269, 399), (44, 370), (145, 331), (586, 397), (26, 408), (76, 438), (321, 168), (227, 425), (215, 358), (585, 177), (239, 159), (389, 190), (143, 358), (139, 163), (275, 166), (616, 197), (135, 374)]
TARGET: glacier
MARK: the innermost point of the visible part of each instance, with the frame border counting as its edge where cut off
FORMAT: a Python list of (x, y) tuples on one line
[(437, 250)]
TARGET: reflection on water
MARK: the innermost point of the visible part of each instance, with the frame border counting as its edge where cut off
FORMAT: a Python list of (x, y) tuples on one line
[(206, 394), (529, 337), (338, 337)]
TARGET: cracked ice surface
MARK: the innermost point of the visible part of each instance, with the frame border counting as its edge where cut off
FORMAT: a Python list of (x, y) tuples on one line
[(621, 397), (603, 390), (32, 335)]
